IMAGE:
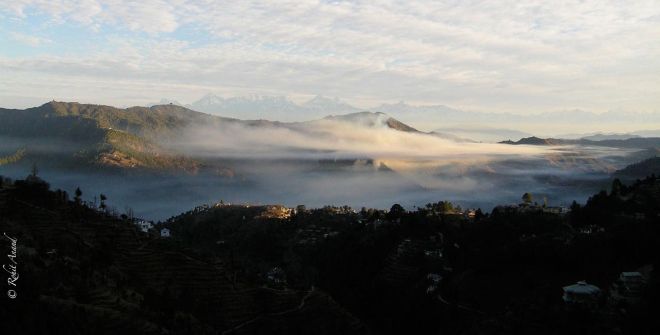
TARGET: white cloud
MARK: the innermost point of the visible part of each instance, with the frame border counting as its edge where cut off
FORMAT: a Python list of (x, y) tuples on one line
[(505, 55), (33, 41)]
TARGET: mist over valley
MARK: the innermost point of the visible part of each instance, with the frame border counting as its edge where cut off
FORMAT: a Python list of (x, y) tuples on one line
[(165, 159)]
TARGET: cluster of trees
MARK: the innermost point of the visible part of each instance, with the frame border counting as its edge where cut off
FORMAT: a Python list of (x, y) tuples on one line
[(500, 273), (487, 255)]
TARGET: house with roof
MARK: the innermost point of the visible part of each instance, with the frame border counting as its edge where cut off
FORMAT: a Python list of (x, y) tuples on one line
[(581, 294), (165, 232), (560, 210)]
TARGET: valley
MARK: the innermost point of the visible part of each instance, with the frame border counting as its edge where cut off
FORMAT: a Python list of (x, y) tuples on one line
[(164, 159)]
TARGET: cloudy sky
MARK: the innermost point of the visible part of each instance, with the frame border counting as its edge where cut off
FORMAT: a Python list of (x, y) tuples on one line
[(514, 56)]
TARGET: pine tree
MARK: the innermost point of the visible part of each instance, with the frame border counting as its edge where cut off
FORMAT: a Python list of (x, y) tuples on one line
[(78, 195)]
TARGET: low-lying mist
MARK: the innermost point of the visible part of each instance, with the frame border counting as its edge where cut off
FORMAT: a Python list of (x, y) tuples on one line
[(358, 163), (362, 135)]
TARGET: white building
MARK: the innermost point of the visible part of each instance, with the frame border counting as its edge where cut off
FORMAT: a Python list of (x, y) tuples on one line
[(582, 294), (144, 225), (165, 232)]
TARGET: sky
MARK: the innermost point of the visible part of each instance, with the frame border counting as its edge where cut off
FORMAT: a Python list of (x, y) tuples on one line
[(496, 56)]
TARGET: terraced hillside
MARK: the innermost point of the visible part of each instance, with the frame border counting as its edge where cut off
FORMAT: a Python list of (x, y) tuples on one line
[(83, 271)]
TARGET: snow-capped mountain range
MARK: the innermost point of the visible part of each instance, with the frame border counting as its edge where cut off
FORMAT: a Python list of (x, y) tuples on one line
[(443, 119)]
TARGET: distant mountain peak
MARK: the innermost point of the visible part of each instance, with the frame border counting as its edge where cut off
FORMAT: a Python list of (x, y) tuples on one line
[(533, 140), (212, 100), (255, 106), (608, 136), (323, 101), (209, 99), (357, 116), (325, 105), (372, 119)]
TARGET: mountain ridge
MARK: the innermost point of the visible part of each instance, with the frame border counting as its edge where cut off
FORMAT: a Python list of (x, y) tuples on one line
[(136, 138), (426, 117), (101, 135), (635, 142)]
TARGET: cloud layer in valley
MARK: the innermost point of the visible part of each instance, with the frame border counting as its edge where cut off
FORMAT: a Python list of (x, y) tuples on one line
[(356, 160), (358, 135)]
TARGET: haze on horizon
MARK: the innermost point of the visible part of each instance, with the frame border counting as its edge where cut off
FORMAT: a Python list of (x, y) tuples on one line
[(520, 57)]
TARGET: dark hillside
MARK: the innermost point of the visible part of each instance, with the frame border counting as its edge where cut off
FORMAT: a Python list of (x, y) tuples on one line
[(83, 271), (333, 270), (435, 270), (639, 170), (633, 143)]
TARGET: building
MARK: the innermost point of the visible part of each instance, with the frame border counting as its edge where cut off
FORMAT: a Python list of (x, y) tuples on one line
[(581, 294), (556, 210), (144, 225), (275, 212), (591, 229), (165, 232)]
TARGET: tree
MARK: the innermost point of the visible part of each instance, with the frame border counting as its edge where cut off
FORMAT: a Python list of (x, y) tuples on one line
[(441, 207), (129, 213), (575, 206), (527, 198), (396, 212), (103, 199), (445, 207), (364, 213), (78, 196)]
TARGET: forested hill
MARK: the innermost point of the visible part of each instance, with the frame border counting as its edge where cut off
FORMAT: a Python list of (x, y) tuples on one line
[(56, 118), (646, 167), (83, 271), (74, 135), (438, 269), (265, 269)]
